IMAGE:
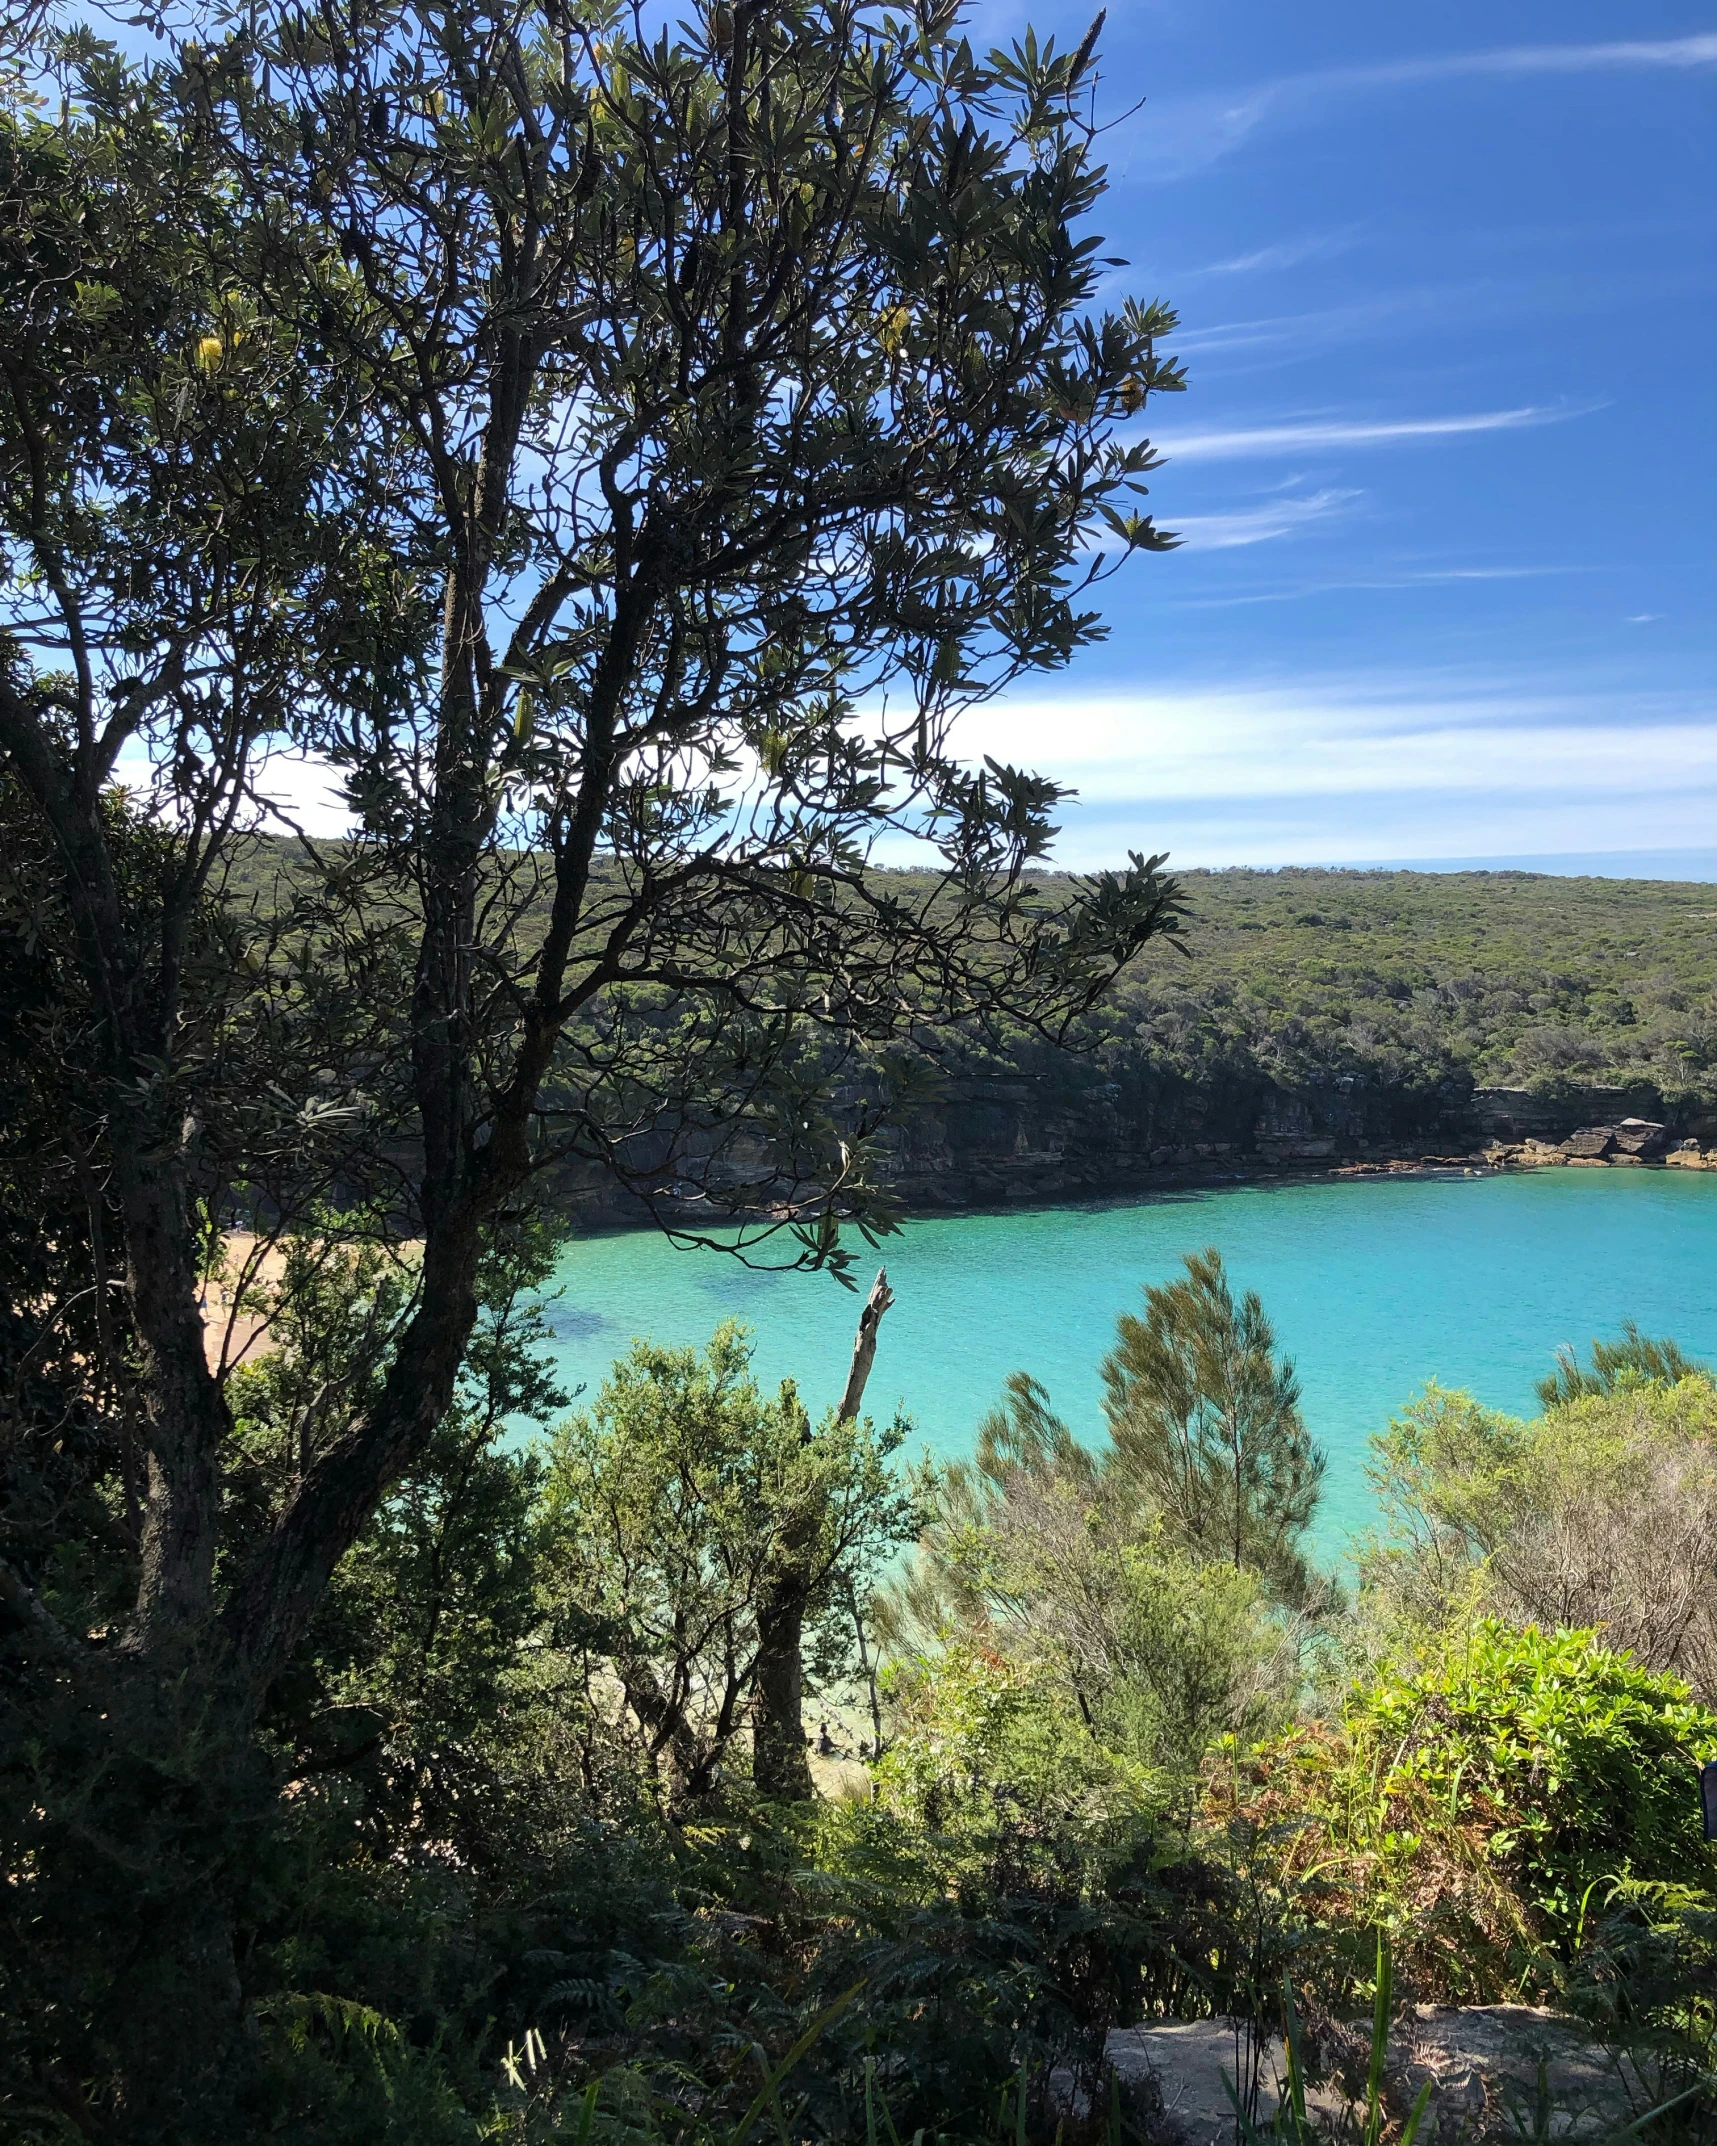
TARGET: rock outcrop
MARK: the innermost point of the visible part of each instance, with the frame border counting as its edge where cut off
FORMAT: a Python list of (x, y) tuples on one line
[(1487, 2067), (1057, 1129)]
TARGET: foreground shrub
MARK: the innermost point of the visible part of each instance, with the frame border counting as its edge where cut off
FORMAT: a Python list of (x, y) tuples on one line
[(1486, 1807), (1601, 1512)]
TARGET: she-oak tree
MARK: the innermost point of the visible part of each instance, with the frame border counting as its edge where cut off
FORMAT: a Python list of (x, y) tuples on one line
[(620, 455)]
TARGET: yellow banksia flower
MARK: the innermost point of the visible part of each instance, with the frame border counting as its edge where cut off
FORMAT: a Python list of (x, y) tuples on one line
[(891, 333)]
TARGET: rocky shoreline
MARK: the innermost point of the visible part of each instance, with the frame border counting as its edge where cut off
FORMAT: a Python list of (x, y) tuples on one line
[(1631, 1144), (1634, 1143), (999, 1144), (1014, 1152)]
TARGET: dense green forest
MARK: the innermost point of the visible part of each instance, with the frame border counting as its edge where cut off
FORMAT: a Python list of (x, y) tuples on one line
[(1506, 979), (1303, 1015), (1514, 978), (1108, 1748), (1307, 1015), (1328, 1014)]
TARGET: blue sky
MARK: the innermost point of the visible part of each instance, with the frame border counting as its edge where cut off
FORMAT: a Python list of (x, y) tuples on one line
[(1446, 464)]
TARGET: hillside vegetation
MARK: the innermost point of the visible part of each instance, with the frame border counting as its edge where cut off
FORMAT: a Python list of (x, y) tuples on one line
[(1515, 978), (1128, 1756), (1297, 1016), (1316, 1017), (1507, 979), (571, 428)]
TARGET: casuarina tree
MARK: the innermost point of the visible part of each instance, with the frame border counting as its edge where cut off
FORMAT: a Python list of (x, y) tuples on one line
[(613, 459), (1205, 1420)]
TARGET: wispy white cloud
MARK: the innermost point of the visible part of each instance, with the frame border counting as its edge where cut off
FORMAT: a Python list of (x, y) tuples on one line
[(1404, 578), (1288, 253), (1619, 54), (1357, 768), (1472, 300), (1302, 435), (1257, 525), (1187, 135), (1418, 576), (1304, 330)]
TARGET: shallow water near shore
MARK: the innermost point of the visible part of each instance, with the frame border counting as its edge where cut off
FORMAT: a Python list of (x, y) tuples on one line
[(1374, 1286)]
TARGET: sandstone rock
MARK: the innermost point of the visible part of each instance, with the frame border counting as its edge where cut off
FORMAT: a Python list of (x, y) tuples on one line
[(1641, 1136), (1590, 1143), (1177, 2073), (1484, 2064)]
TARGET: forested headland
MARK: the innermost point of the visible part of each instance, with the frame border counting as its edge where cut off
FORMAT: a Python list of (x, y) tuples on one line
[(1318, 1016), (1299, 1018), (1506, 979)]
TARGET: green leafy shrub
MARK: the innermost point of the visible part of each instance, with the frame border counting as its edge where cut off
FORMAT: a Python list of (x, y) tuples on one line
[(1482, 1804), (992, 1761), (1601, 1512)]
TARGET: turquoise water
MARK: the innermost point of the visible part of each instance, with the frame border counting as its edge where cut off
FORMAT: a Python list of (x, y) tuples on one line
[(1374, 1286)]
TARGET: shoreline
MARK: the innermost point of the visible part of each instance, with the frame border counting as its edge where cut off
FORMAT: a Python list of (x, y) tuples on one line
[(1483, 1163)]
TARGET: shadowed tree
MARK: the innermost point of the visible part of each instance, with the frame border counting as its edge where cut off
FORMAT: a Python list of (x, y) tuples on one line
[(799, 1573), (1205, 1420), (681, 1502), (620, 455)]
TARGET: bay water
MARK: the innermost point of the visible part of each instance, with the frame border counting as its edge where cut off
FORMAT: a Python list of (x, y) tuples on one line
[(1374, 1285)]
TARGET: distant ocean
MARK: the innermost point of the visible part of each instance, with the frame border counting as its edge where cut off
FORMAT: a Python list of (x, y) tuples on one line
[(1699, 864), (1374, 1285)]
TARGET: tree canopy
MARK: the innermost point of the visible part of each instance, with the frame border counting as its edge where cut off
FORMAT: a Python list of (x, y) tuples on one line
[(1205, 1418), (614, 457)]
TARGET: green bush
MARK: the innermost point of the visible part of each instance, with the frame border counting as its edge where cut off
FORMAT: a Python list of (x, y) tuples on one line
[(1587, 1761), (1600, 1513), (992, 1760), (1486, 1805)]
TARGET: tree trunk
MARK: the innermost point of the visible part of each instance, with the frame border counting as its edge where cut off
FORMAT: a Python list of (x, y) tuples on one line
[(864, 1345), (779, 1765), (868, 1667)]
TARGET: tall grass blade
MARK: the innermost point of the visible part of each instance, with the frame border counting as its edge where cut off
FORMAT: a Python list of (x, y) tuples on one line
[(769, 2091), (1633, 2130), (1380, 2012), (1296, 2068), (1416, 2116)]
